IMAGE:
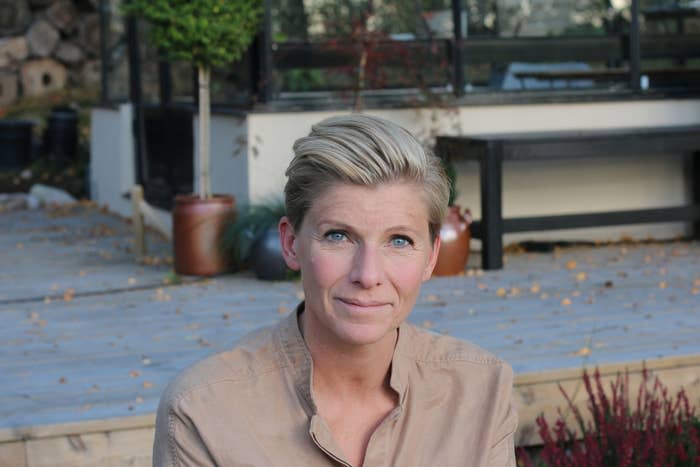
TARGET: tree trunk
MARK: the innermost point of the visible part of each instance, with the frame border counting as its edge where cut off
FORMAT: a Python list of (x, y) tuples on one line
[(42, 38), (14, 48), (64, 15), (69, 53), (14, 17), (8, 88), (203, 151), (40, 77), (89, 34)]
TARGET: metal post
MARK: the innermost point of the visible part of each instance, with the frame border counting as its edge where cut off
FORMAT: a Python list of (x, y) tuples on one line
[(634, 51), (136, 97), (105, 53), (165, 82), (457, 61), (265, 86), (491, 168)]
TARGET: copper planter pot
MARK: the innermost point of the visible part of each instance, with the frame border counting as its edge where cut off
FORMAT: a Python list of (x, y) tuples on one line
[(455, 236), (197, 227)]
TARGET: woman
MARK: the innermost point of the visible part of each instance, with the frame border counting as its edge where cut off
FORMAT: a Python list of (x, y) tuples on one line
[(345, 380)]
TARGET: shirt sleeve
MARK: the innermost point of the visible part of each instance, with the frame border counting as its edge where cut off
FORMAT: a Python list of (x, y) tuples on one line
[(177, 441), (503, 448)]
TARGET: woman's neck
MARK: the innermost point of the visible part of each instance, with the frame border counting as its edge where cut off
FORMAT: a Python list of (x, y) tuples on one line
[(349, 370)]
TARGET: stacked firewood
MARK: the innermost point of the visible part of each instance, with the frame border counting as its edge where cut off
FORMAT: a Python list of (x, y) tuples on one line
[(46, 45)]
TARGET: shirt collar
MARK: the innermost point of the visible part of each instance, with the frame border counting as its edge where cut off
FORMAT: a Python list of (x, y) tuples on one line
[(297, 355)]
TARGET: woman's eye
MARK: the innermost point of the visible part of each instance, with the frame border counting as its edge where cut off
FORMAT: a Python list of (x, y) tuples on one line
[(336, 236), (400, 242)]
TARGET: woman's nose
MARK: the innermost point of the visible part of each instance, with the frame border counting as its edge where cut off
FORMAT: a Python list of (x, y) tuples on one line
[(367, 268)]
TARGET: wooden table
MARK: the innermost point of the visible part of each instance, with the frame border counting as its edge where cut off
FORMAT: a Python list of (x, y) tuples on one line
[(492, 150)]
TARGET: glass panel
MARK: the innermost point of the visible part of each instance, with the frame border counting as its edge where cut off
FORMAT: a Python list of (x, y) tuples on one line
[(545, 45), (354, 46), (670, 44)]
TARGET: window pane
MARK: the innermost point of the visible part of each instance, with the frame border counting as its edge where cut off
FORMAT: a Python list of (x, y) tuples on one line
[(670, 44), (545, 45)]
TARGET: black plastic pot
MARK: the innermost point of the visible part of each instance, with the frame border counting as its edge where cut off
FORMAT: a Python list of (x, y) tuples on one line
[(15, 143), (61, 137)]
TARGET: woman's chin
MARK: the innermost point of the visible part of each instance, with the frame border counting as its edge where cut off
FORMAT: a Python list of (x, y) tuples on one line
[(353, 333)]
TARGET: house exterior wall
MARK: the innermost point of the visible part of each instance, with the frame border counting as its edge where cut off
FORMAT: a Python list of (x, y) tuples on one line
[(112, 168), (530, 188), (249, 156), (229, 161)]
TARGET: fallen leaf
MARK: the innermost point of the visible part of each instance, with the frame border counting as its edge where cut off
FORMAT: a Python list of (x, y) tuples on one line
[(427, 324), (82, 273), (535, 288), (576, 293), (138, 400), (134, 373), (501, 292), (696, 282), (19, 246), (282, 309), (583, 352), (581, 276), (566, 302), (544, 296), (147, 384), (68, 295), (514, 291), (131, 281), (226, 316), (482, 286), (62, 380), (695, 290), (571, 264), (432, 298), (663, 284)]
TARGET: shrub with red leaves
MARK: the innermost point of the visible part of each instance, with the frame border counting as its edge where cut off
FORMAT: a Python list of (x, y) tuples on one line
[(658, 431)]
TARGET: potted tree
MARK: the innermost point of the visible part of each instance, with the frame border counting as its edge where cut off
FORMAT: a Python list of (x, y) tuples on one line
[(207, 33)]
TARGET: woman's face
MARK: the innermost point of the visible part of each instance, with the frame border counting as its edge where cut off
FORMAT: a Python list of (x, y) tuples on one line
[(363, 254)]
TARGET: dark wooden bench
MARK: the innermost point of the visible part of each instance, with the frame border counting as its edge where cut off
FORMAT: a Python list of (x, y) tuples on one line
[(492, 150)]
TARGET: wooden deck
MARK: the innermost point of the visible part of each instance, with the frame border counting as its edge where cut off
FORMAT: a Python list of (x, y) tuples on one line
[(90, 339)]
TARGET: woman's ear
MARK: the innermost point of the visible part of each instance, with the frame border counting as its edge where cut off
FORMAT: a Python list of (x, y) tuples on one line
[(428, 271), (289, 244)]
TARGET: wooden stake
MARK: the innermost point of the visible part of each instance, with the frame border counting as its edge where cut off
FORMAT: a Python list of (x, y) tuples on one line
[(137, 220)]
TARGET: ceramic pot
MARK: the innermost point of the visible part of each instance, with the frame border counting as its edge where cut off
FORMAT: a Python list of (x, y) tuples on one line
[(266, 258), (197, 227), (454, 242)]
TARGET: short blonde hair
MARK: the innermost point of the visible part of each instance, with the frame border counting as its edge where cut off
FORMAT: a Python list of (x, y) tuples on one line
[(362, 150)]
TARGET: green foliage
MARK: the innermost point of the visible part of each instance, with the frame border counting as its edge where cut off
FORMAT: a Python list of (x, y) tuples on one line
[(250, 224), (205, 32)]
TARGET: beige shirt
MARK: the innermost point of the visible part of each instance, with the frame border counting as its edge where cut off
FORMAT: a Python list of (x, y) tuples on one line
[(253, 406)]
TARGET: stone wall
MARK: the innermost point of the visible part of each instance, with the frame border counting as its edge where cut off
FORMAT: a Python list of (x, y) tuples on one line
[(47, 45)]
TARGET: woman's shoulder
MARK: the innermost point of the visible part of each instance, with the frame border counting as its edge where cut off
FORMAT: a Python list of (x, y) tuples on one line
[(426, 346), (252, 355)]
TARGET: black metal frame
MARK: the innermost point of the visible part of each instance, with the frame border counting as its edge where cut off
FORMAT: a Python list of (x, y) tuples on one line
[(491, 151), (474, 50)]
